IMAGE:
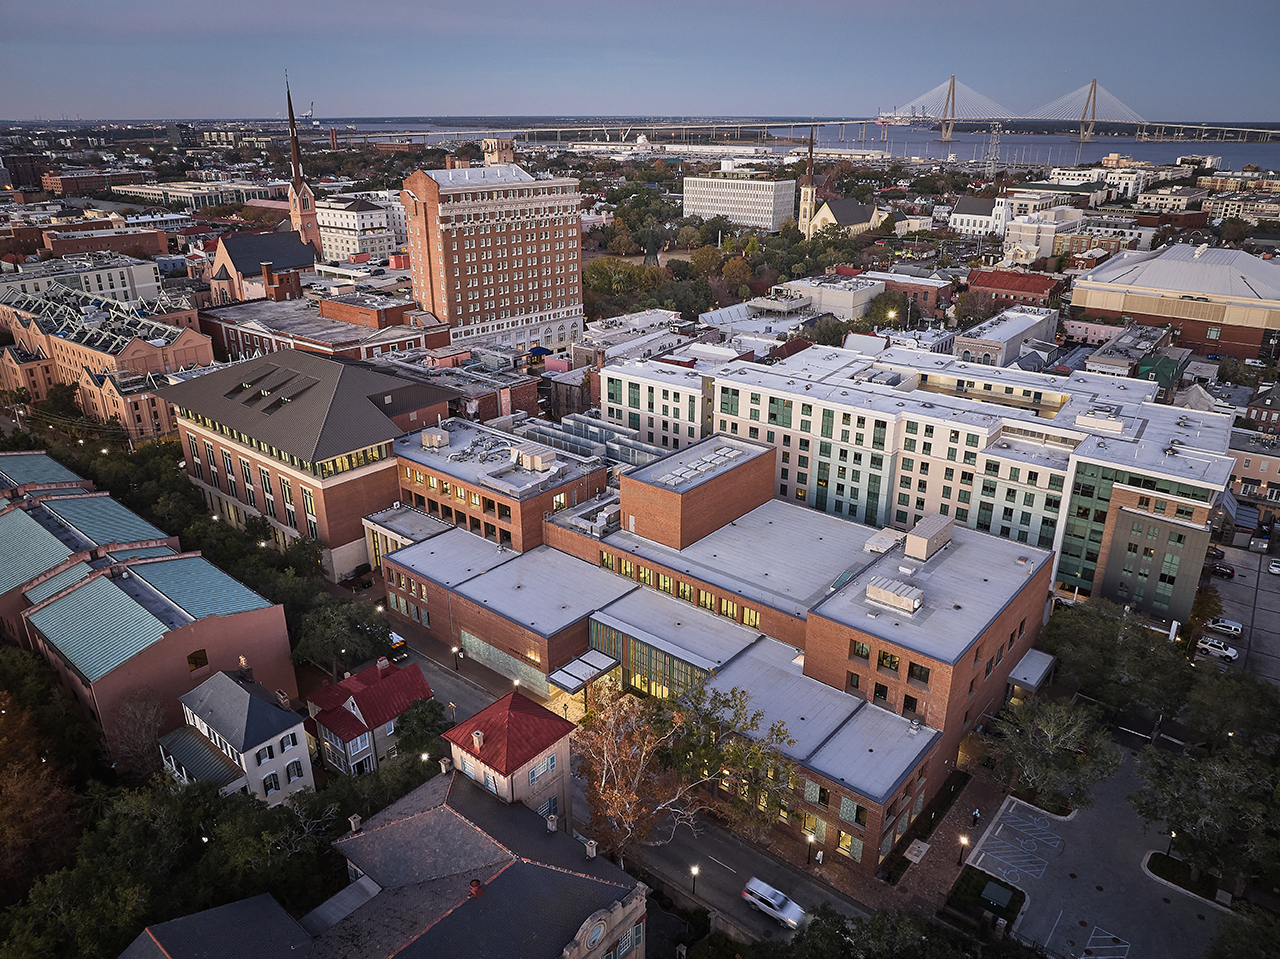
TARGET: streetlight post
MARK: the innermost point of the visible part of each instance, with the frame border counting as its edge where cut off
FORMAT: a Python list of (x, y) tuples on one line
[(809, 837), (694, 890), (964, 844), (1172, 836), (455, 659)]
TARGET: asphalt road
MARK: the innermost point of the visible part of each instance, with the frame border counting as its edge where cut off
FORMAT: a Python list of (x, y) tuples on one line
[(1252, 599)]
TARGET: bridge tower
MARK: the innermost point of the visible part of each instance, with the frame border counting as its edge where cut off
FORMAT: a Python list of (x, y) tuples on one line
[(1090, 114), (949, 113)]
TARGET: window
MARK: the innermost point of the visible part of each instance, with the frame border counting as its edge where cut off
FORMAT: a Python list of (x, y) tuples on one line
[(359, 744), (271, 784), (750, 617), (728, 608), (881, 693), (265, 753), (887, 660), (391, 728), (859, 650), (288, 741), (198, 660), (919, 673), (293, 771), (706, 600)]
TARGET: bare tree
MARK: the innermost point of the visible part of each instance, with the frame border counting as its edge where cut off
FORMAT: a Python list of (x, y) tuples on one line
[(138, 722)]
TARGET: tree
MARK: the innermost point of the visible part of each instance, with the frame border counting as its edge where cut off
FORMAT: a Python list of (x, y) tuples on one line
[(1056, 748), (1084, 638), (1233, 229), (62, 400), (974, 306), (1205, 608), (887, 309), (37, 824), (737, 272), (1249, 932), (339, 632), (419, 728), (688, 237), (705, 261), (139, 719), (1224, 807), (653, 764)]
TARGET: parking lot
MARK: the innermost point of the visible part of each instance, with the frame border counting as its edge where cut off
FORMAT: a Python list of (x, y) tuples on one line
[(1252, 599)]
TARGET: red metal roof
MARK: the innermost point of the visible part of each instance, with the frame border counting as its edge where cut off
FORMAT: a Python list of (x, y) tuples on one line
[(516, 729), (380, 694), (1032, 283)]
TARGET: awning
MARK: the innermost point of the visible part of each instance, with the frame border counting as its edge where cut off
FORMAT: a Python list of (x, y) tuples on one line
[(539, 351), (1033, 670), (586, 669)]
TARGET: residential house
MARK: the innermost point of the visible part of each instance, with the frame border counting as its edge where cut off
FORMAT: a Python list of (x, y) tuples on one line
[(355, 719)]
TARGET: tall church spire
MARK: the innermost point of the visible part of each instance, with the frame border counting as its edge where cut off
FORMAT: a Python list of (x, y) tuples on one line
[(295, 156), (302, 202)]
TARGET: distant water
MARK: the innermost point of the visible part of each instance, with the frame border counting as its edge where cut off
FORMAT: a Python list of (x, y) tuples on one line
[(902, 141)]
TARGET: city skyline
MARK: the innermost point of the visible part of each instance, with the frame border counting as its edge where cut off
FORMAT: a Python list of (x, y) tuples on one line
[(817, 57)]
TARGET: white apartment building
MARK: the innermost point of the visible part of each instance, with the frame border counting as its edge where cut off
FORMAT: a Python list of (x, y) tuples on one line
[(759, 204), (845, 297), (1071, 464), (1127, 182), (111, 275), (669, 405), (389, 200), (1030, 237), (1170, 198), (350, 227)]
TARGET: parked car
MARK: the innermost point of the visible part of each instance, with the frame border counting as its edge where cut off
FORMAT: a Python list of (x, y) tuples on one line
[(1274, 567), (1227, 627), (760, 895), (1212, 646), (1221, 569), (1214, 553)]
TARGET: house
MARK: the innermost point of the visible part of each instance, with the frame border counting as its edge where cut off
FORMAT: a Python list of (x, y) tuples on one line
[(447, 871), (1009, 287), (356, 718), (222, 932), (1264, 409), (520, 751), (240, 736)]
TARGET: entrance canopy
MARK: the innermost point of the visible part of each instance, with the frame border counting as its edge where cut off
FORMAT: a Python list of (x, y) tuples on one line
[(586, 669), (1033, 670)]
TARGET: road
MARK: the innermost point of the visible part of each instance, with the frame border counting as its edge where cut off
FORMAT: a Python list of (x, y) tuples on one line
[(451, 687), (1252, 599)]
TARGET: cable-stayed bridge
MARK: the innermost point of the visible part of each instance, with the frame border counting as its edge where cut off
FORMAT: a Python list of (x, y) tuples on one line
[(952, 101)]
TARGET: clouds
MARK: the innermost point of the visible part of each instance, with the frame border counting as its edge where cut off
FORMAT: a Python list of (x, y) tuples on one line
[(148, 59)]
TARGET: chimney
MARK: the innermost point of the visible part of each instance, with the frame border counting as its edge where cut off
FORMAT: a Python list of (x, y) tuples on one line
[(245, 671), (477, 737), (355, 822), (283, 699), (268, 275), (477, 889), (446, 765), (384, 664)]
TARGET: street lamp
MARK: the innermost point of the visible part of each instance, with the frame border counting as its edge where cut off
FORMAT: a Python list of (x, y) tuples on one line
[(809, 838), (453, 712), (455, 659), (694, 870), (964, 844), (1172, 835), (516, 683)]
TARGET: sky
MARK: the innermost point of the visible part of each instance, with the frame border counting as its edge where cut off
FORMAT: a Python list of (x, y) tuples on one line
[(157, 59)]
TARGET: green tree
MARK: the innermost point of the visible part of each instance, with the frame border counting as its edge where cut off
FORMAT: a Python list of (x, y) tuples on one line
[(688, 237), (886, 309), (974, 306), (1233, 229), (1054, 748), (419, 728), (705, 261), (62, 399), (338, 633), (1249, 932)]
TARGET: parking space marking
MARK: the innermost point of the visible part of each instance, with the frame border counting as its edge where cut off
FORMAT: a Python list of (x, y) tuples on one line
[(1104, 945), (1033, 826), (1017, 859)]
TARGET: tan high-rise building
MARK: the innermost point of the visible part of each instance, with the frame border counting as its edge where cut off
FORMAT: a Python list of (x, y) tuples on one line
[(496, 254)]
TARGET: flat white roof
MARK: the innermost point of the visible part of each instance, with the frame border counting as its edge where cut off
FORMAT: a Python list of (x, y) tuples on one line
[(451, 558), (688, 467), (690, 633)]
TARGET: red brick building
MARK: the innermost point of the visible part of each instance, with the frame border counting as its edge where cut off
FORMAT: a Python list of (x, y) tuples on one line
[(303, 441), (1007, 288), (134, 242), (86, 182)]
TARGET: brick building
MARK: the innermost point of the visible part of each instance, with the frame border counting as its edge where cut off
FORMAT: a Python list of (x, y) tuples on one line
[(928, 298), (303, 441), (1008, 288), (853, 637), (495, 254), (87, 182), (246, 263), (133, 242)]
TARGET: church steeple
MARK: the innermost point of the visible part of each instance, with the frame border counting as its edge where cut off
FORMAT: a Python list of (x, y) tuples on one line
[(808, 195), (302, 202)]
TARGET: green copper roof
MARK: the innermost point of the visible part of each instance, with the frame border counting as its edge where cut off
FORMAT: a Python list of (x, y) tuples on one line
[(56, 584), (141, 552), (199, 587), (103, 520), (22, 468), (27, 549), (98, 627)]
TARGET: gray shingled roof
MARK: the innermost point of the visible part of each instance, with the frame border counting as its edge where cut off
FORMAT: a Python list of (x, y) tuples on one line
[(243, 712), (974, 206), (284, 251), (307, 405), (851, 212), (257, 927)]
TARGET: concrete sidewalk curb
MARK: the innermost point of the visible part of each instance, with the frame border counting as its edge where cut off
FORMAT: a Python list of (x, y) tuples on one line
[(1186, 892)]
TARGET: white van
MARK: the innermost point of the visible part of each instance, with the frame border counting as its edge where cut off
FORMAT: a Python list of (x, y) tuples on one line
[(1225, 627), (768, 900)]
